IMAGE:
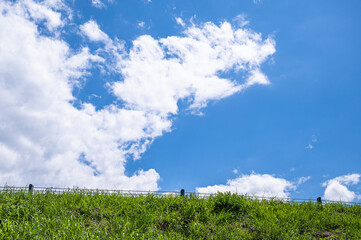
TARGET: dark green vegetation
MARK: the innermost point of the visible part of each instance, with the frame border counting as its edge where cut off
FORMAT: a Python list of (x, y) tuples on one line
[(80, 215)]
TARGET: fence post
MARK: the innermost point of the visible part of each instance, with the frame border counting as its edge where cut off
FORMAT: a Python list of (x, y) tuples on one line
[(319, 200), (31, 187), (182, 192)]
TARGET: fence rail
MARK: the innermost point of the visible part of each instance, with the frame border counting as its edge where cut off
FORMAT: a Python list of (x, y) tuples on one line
[(34, 189)]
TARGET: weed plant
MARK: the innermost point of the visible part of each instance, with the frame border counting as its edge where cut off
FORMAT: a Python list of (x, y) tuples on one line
[(82, 215)]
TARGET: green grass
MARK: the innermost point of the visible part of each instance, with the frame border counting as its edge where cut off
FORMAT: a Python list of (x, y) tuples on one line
[(78, 215)]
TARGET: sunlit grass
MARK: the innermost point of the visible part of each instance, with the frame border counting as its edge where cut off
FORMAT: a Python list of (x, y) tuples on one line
[(80, 215)]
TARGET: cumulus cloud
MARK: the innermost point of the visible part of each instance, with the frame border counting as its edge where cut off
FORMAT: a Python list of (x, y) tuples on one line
[(46, 140), (336, 189), (42, 134), (92, 31), (260, 185), (160, 72)]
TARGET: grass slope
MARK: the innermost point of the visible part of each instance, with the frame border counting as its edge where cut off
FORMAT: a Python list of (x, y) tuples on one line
[(78, 215)]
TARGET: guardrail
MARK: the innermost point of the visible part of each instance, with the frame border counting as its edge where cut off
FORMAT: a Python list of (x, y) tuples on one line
[(182, 192)]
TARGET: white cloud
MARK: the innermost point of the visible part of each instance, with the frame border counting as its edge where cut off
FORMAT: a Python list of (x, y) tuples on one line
[(100, 3), (349, 179), (235, 171), (261, 185), (311, 145), (159, 73), (337, 192), (240, 19), (180, 21), (93, 32), (46, 141), (43, 12), (336, 189), (97, 3), (41, 134), (141, 24), (302, 180)]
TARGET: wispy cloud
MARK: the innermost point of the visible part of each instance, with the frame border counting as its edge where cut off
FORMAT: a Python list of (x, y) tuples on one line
[(180, 21), (311, 144), (241, 20), (302, 180), (97, 3), (141, 24), (100, 3)]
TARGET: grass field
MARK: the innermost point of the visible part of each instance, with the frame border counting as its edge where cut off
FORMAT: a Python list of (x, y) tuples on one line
[(80, 215)]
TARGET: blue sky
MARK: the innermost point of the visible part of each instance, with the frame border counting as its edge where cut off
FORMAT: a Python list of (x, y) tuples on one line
[(153, 95)]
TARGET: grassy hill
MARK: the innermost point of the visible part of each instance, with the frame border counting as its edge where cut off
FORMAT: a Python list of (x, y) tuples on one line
[(80, 215)]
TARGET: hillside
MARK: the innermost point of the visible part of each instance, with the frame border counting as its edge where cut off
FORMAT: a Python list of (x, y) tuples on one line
[(80, 215)]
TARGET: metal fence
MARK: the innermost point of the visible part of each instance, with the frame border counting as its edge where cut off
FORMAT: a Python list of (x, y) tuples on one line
[(182, 192)]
